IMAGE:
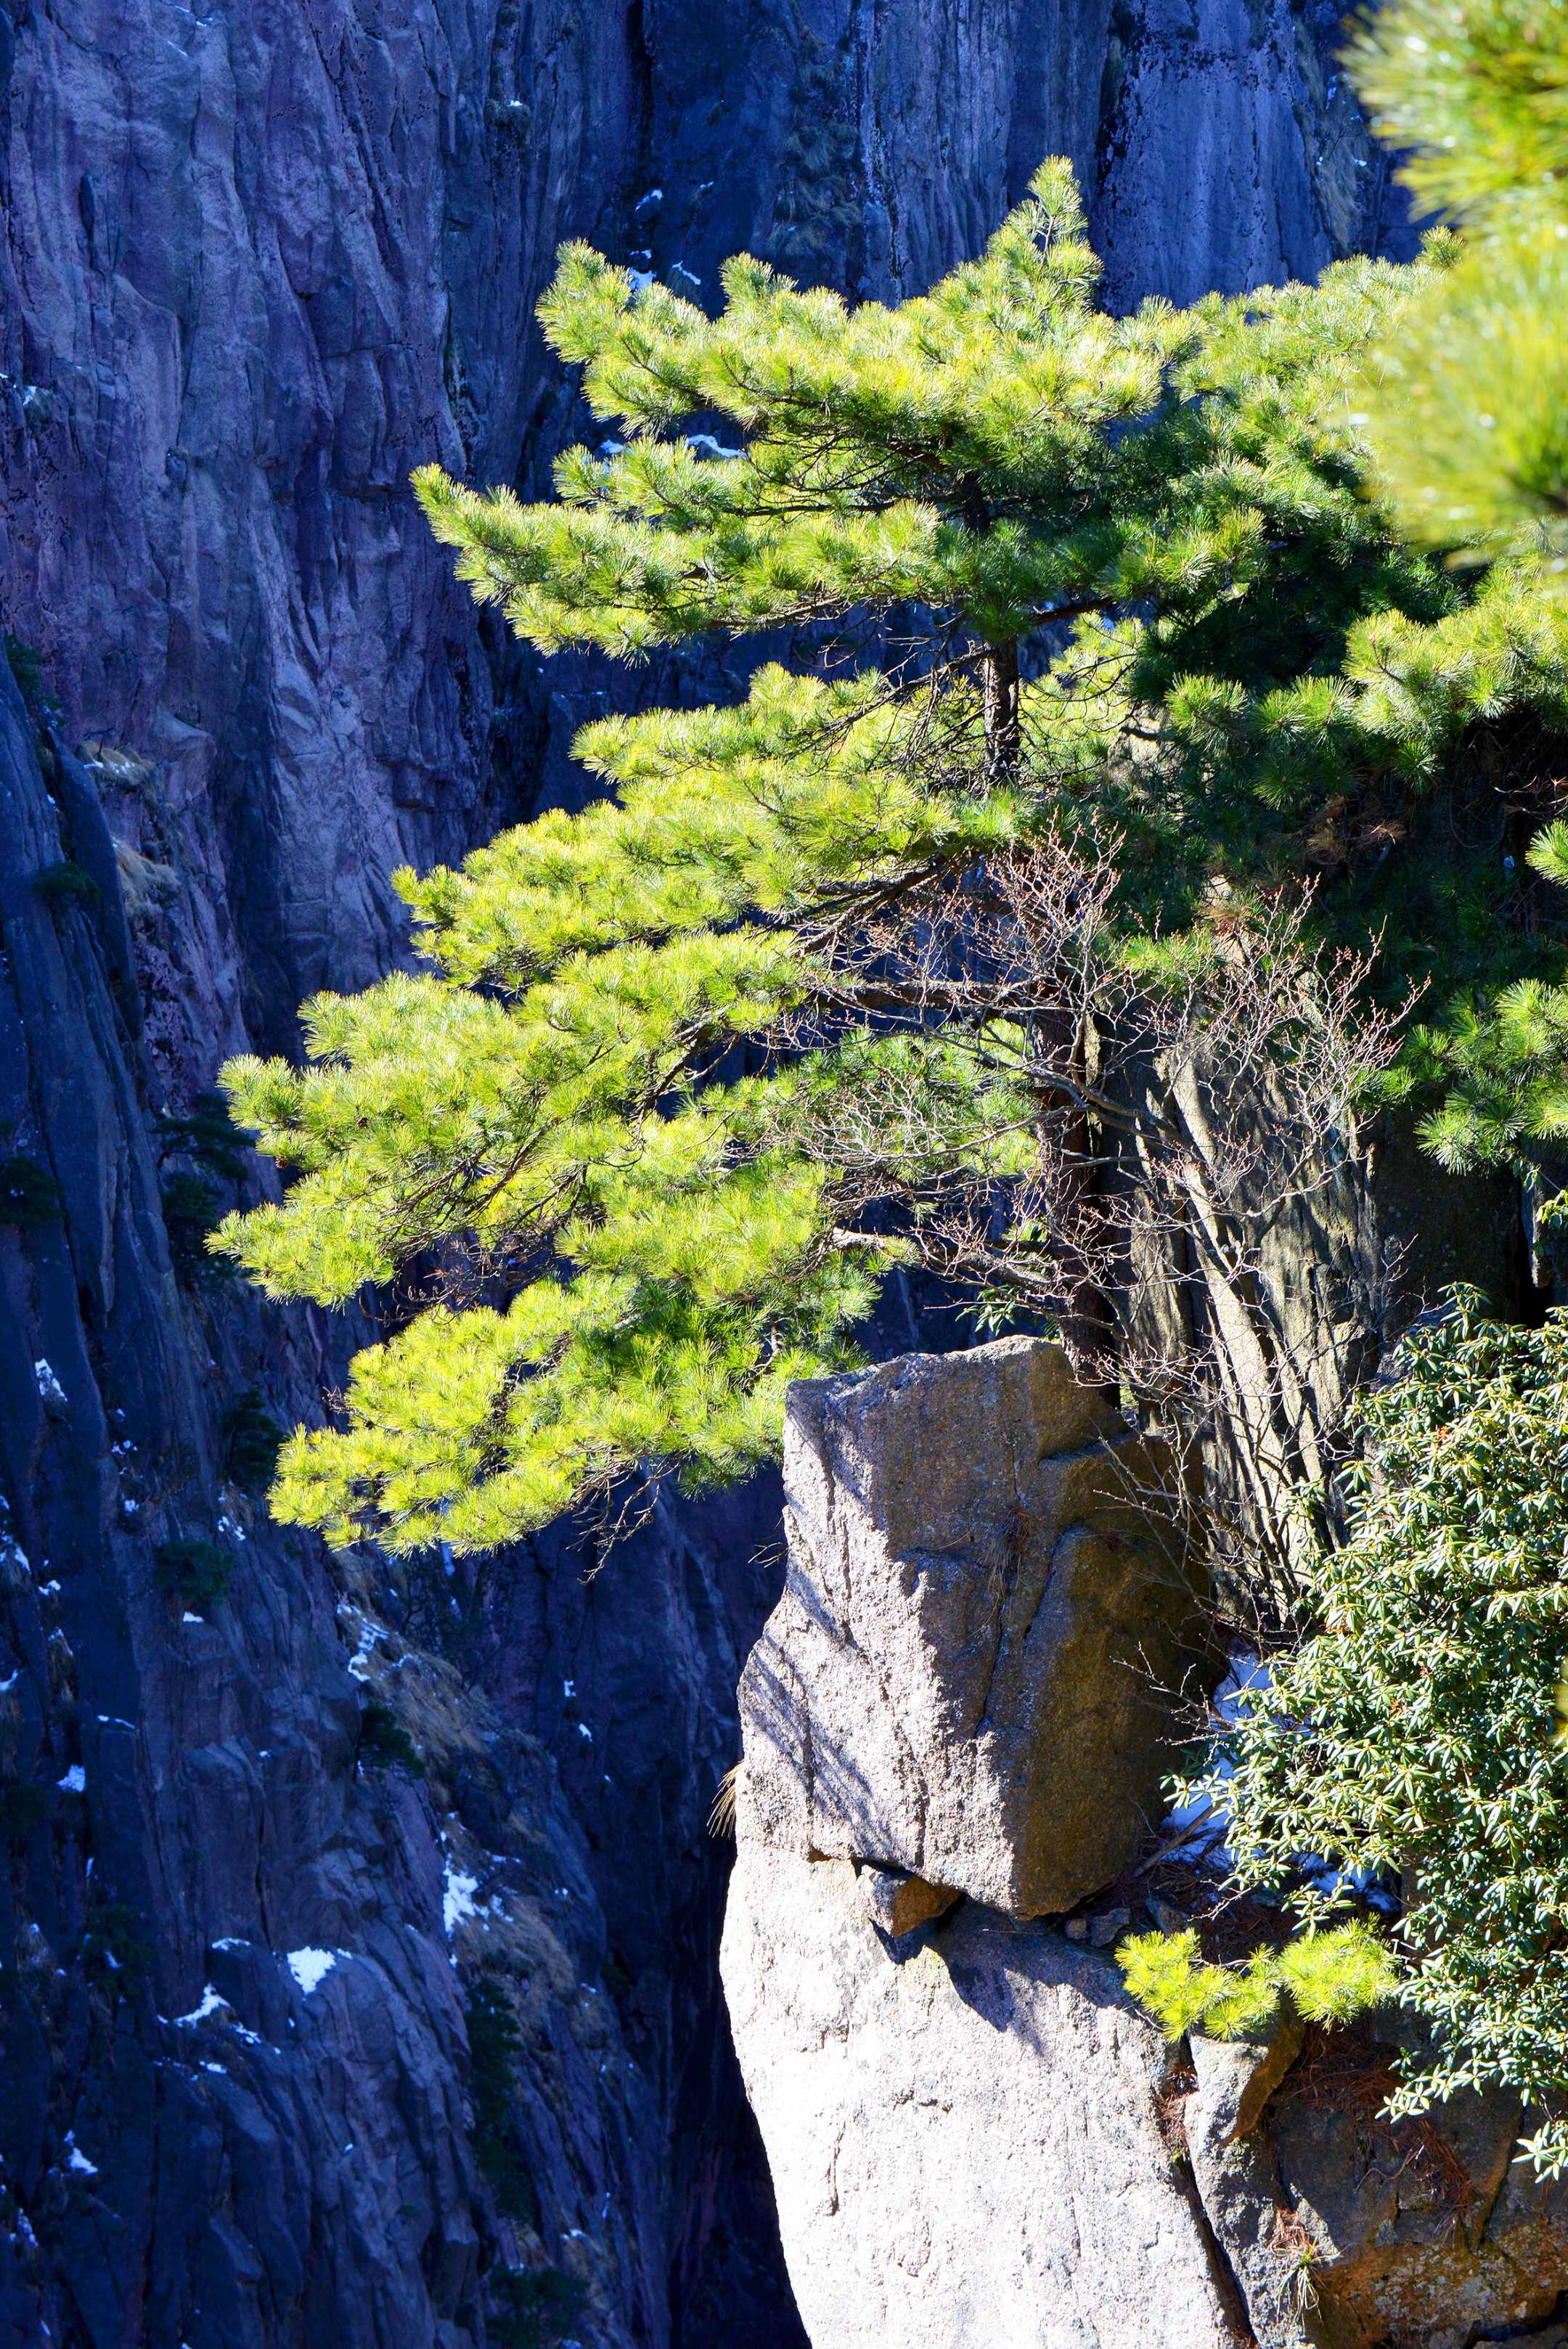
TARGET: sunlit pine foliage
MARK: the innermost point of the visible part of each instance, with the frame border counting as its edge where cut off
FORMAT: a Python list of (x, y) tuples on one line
[(1113, 580)]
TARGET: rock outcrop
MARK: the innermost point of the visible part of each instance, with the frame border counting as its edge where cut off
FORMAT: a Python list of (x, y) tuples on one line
[(967, 1676), (964, 2133), (974, 2137)]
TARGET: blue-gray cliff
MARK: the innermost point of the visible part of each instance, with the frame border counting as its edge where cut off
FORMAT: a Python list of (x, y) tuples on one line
[(259, 260)]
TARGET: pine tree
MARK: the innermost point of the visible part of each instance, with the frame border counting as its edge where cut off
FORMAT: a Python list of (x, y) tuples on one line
[(1468, 411), (1070, 596), (1467, 417)]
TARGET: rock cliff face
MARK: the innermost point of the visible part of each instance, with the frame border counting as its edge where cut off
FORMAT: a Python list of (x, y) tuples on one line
[(974, 2137), (257, 262)]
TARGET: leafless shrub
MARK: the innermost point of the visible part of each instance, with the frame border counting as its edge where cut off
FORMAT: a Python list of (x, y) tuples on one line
[(1166, 1152)]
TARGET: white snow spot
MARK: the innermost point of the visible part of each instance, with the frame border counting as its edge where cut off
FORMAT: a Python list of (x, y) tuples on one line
[(211, 2002), (1209, 1825), (456, 1901), (217, 2068), (716, 448), (654, 196), (584, 1731), (114, 1722), (12, 1681), (369, 1633), (678, 269), (79, 2159), (608, 448), (49, 1589), (48, 1385), (189, 1617), (232, 1942), (74, 1782), (310, 1967), (641, 279), (568, 1688)]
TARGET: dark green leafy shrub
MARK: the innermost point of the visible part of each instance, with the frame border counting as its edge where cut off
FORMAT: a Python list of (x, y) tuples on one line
[(65, 884), (208, 1134), (27, 670), (1414, 1734), (190, 1214), (492, 2043), (534, 2308), (385, 1744), (29, 1195), (195, 1572), (22, 1809), (255, 1441), (110, 1951)]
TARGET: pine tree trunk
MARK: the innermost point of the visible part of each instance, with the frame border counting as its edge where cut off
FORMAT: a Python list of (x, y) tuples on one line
[(1004, 734)]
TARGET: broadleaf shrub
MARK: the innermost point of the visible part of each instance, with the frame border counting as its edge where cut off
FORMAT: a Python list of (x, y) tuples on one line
[(1412, 1734), (65, 883), (255, 1441), (196, 1572), (29, 1196)]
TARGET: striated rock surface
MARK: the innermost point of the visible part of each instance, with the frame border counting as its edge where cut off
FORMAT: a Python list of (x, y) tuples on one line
[(238, 1923), (1346, 2231), (964, 2136), (259, 262), (965, 1678)]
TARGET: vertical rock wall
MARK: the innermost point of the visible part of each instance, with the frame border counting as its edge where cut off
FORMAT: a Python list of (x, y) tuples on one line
[(258, 260)]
